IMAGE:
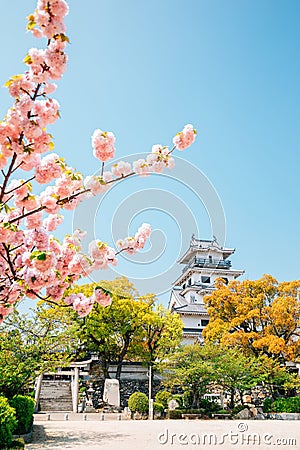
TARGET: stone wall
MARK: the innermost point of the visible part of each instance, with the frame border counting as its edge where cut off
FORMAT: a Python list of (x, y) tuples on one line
[(133, 378)]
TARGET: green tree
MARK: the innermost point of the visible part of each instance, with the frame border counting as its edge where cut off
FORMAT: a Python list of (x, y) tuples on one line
[(131, 328), (188, 368), (160, 334), (32, 345), (235, 372), (197, 369), (109, 331)]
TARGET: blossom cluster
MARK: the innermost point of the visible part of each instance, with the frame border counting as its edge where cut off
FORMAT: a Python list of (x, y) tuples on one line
[(155, 162), (33, 262), (135, 243), (83, 305)]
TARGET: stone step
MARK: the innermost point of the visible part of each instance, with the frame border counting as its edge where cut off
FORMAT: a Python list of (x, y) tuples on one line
[(56, 396)]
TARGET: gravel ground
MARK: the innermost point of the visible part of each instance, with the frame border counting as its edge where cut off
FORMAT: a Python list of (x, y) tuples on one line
[(112, 434)]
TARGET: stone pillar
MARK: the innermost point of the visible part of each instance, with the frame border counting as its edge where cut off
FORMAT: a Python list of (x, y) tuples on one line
[(75, 389), (37, 392)]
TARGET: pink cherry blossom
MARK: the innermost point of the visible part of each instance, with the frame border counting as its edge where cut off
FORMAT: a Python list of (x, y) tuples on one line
[(103, 145), (56, 59), (47, 111), (34, 221), (19, 189), (49, 16), (3, 161), (93, 184), (100, 297), (31, 202), (141, 167), (29, 162), (19, 84), (134, 243), (80, 303), (39, 264), (48, 199), (45, 265), (56, 292), (38, 238), (48, 168), (79, 264), (5, 311), (102, 254), (52, 221), (121, 169), (185, 138)]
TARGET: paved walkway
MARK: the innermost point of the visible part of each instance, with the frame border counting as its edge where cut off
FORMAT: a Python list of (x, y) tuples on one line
[(111, 434)]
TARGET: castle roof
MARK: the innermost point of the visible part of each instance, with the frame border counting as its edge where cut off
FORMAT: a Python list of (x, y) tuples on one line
[(204, 246), (182, 306)]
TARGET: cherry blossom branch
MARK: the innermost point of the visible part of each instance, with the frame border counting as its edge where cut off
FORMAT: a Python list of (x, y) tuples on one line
[(24, 182), (123, 250), (172, 150), (122, 177), (2, 204), (6, 248), (6, 177), (47, 299), (41, 208)]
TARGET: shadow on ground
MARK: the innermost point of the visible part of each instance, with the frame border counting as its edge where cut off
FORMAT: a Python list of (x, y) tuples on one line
[(63, 439)]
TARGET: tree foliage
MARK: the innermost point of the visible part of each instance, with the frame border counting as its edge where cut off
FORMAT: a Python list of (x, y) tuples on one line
[(131, 327), (260, 317), (32, 345), (198, 369)]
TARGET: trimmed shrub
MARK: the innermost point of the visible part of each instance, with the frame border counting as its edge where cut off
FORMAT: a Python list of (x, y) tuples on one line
[(8, 422), (158, 407), (138, 402), (163, 397), (24, 407), (287, 405), (175, 414), (267, 406)]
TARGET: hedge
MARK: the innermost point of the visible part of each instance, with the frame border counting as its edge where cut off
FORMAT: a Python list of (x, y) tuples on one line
[(287, 405), (175, 414), (24, 407), (8, 422)]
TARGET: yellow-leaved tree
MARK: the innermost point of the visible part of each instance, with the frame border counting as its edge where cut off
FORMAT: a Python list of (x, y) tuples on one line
[(260, 316)]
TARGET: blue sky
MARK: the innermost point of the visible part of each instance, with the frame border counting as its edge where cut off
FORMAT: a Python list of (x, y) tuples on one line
[(145, 69)]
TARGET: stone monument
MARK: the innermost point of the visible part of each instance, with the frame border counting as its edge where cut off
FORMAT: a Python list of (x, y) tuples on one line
[(111, 394)]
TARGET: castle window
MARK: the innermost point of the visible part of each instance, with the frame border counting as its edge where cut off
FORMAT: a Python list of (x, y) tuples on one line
[(204, 322), (193, 299), (205, 279), (190, 282)]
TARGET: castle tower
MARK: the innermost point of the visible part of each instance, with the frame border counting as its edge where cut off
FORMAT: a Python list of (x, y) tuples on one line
[(205, 261)]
